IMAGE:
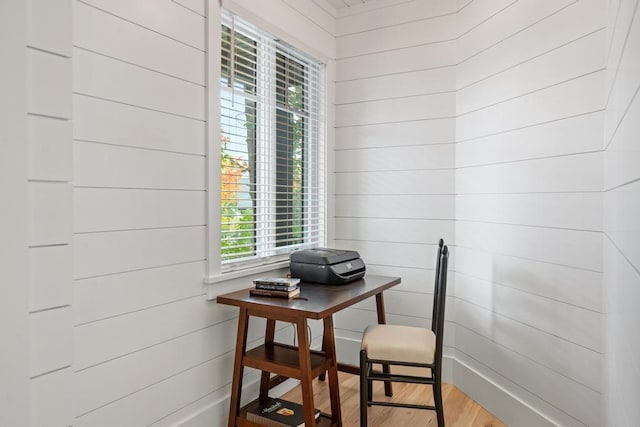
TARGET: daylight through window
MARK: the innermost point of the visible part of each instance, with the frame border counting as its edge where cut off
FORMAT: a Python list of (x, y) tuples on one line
[(272, 147)]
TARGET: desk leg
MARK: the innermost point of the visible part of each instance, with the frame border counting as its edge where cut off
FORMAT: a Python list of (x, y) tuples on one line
[(388, 391), (329, 345), (304, 354), (236, 384), (268, 339)]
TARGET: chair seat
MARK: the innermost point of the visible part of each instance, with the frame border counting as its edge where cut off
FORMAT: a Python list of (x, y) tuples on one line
[(399, 343)]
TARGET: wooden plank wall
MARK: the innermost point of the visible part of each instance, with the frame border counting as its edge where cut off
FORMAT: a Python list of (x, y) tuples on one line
[(14, 251), (530, 108), (50, 211), (394, 153), (148, 348), (621, 289)]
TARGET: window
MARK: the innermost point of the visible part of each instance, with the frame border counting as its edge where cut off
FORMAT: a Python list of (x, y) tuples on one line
[(271, 148)]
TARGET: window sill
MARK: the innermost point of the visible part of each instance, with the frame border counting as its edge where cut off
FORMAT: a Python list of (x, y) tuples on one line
[(235, 280)]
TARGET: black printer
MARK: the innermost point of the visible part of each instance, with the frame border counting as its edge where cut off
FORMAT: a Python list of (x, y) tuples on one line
[(326, 266)]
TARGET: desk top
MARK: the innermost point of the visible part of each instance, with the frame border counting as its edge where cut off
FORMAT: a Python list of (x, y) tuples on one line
[(315, 301)]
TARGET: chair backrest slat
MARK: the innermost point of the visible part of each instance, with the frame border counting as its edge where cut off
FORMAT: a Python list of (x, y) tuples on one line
[(436, 287), (440, 302)]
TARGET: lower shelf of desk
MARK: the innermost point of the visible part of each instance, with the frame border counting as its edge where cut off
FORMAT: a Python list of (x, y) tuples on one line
[(284, 360), (324, 420)]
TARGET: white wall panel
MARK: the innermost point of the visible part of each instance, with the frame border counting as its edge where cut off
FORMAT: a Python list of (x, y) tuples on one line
[(143, 329), (529, 174), (397, 61), (102, 165), (622, 216), (98, 342), (50, 149), (621, 295), (51, 213), (569, 99), (621, 163), (549, 352), (435, 80), (413, 279), (393, 15), (197, 6), (112, 295), (50, 277), (579, 19), (509, 21), (578, 401), (50, 397), (621, 290), (579, 173), (563, 136), (397, 37), (526, 409), (582, 211), (49, 84), (436, 131), (395, 206), (316, 13), (419, 107), (134, 372), (97, 254), (576, 324), (165, 17), (51, 340), (392, 229), (104, 209), (580, 249), (574, 286), (568, 62), (49, 25), (103, 77), (100, 120), (620, 16), (626, 82), (115, 37), (391, 182), (474, 13), (425, 157), (154, 402)]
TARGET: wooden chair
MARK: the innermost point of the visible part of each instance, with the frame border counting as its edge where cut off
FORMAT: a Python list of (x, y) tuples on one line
[(397, 345)]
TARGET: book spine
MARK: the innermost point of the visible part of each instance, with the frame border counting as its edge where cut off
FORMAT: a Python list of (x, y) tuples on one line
[(268, 293), (274, 287)]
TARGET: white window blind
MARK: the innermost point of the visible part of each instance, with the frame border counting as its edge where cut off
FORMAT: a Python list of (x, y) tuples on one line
[(272, 158)]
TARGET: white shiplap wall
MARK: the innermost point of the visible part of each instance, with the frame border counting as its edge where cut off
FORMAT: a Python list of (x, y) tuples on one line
[(149, 349), (14, 293), (530, 77), (139, 220), (50, 211), (621, 287), (394, 153)]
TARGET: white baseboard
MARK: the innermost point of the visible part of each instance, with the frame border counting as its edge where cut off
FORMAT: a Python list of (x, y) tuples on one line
[(505, 406)]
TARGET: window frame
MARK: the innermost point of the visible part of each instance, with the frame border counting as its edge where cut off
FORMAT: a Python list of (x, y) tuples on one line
[(217, 272)]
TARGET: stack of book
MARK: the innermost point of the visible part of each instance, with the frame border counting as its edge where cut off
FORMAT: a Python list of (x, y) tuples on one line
[(280, 287), (276, 412)]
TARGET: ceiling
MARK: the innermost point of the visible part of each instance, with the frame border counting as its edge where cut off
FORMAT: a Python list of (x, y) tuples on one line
[(340, 4)]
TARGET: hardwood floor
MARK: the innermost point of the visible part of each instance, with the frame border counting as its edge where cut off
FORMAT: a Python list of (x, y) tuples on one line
[(459, 409)]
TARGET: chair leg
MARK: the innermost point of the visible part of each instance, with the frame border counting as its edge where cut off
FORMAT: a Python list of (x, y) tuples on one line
[(364, 388), (437, 399)]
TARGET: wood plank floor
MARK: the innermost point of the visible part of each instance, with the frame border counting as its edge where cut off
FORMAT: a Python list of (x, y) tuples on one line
[(459, 409)]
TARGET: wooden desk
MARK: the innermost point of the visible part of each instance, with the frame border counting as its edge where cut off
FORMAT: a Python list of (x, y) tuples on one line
[(315, 302)]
